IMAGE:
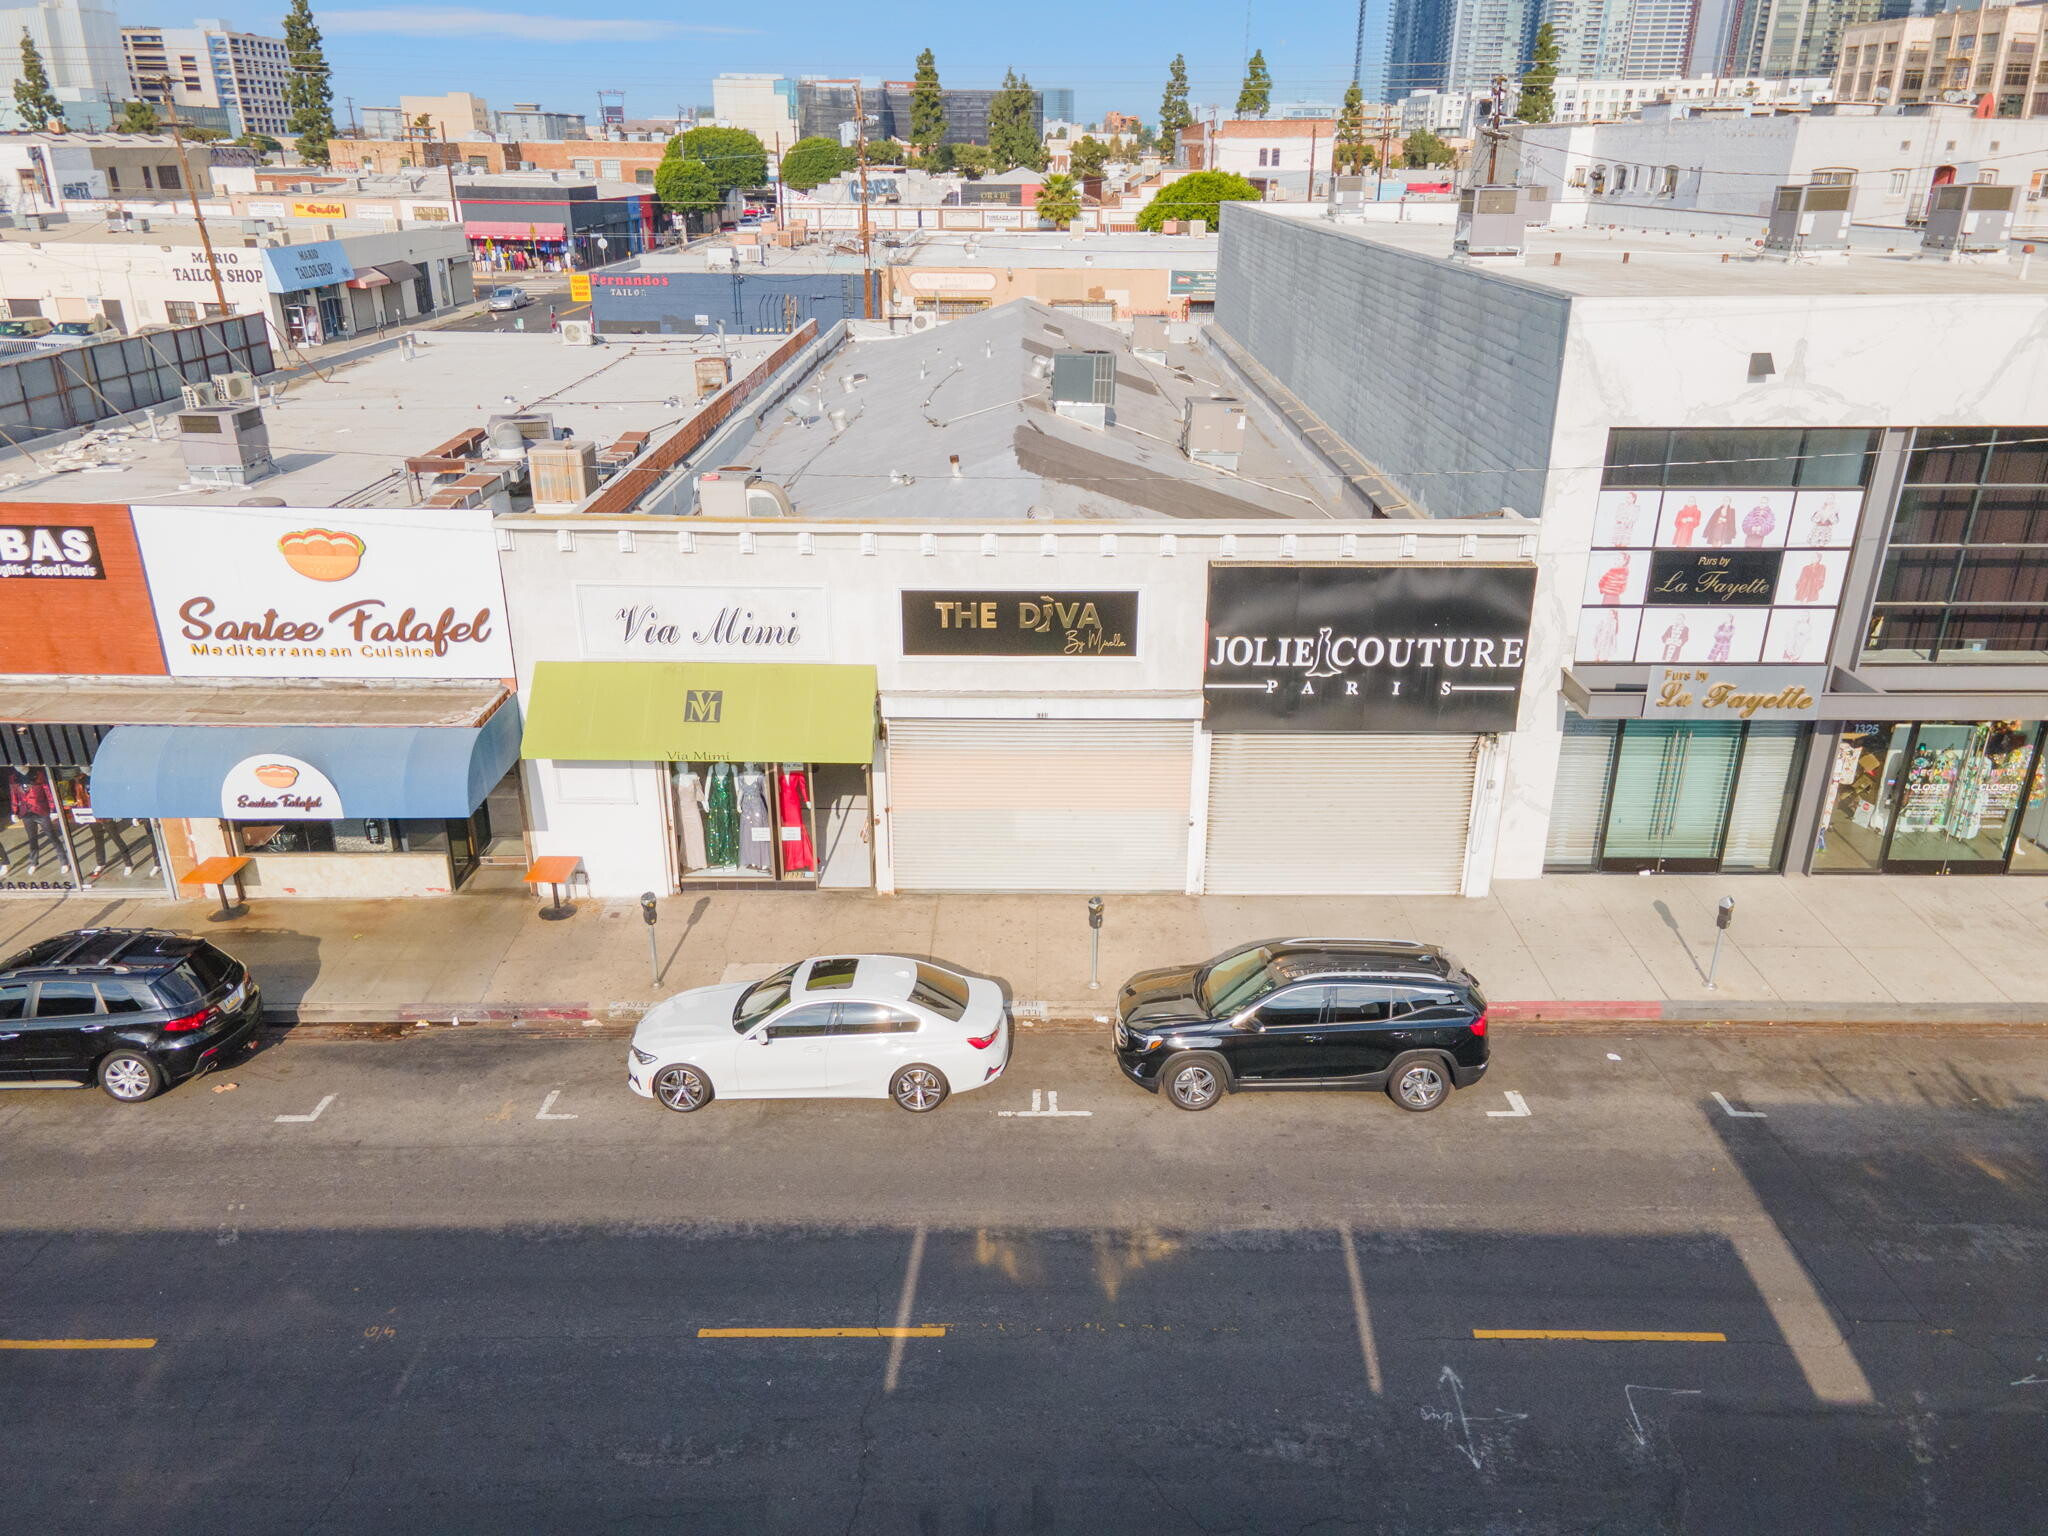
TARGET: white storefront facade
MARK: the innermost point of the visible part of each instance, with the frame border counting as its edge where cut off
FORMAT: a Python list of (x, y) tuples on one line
[(993, 707)]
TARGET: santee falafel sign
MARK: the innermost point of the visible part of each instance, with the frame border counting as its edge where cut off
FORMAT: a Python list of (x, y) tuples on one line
[(325, 592)]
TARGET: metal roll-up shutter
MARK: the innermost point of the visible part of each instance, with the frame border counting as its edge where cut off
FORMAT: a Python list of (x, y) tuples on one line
[(1339, 815), (1040, 805)]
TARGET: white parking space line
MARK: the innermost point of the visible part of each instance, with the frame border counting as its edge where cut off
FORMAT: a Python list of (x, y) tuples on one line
[(318, 1110), (1518, 1108), (904, 1303), (1738, 1114), (547, 1107), (1050, 1100), (1366, 1344)]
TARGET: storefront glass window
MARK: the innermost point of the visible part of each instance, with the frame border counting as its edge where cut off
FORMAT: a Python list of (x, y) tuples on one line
[(747, 821), (1935, 799), (353, 835), (51, 840), (1675, 796), (1966, 574), (1829, 458)]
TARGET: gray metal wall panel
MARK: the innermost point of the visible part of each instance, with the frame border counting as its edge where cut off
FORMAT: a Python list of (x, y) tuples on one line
[(1445, 378)]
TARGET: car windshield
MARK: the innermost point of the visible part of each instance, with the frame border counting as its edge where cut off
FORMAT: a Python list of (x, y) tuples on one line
[(762, 999), (75, 328), (14, 328), (941, 991), (1235, 983), (508, 293)]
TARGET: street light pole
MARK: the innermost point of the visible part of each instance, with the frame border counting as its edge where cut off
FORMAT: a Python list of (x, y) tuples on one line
[(220, 296)]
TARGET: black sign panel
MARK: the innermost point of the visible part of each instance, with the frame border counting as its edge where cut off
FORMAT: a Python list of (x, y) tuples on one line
[(50, 550), (1434, 648), (1703, 578), (1020, 623)]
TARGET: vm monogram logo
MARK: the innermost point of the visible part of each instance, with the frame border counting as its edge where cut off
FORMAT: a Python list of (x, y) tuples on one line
[(703, 706)]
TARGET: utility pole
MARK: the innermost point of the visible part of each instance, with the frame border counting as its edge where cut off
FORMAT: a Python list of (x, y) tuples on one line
[(220, 296), (1494, 132), (448, 165), (860, 141)]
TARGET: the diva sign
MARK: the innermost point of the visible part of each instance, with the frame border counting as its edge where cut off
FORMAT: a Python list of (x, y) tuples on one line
[(1435, 648)]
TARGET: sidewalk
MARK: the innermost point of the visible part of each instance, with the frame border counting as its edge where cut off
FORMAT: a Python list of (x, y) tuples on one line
[(1566, 947)]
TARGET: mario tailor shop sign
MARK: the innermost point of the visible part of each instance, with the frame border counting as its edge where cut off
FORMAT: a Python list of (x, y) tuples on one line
[(321, 592), (1425, 649)]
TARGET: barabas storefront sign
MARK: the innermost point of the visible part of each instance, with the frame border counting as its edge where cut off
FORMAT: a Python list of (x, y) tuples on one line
[(1422, 649), (322, 592)]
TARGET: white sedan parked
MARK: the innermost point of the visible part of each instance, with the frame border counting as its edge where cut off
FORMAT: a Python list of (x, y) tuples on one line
[(837, 1027)]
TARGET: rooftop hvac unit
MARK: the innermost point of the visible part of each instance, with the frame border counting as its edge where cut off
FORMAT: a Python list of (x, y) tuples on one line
[(224, 445), (1491, 224), (578, 333), (563, 473), (1148, 333), (512, 434), (737, 490), (236, 388), (1967, 222), (1213, 431), (713, 374), (199, 397), (1808, 222)]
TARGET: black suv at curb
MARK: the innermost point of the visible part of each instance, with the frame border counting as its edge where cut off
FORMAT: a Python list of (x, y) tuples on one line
[(1306, 1013), (132, 1009)]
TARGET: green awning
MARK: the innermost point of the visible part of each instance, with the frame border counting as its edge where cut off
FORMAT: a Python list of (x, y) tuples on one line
[(678, 711)]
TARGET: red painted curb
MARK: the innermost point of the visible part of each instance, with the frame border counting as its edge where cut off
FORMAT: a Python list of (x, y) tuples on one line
[(1556, 1011)]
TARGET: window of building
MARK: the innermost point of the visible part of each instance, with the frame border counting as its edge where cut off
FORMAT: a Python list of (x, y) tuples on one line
[(1834, 176), (179, 312), (1670, 186), (1895, 184), (643, 177), (166, 177), (1987, 178), (1809, 458), (146, 181), (1965, 576)]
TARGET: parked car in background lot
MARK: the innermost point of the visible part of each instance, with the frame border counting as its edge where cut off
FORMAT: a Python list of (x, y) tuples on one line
[(98, 328), (26, 328), (508, 298), (840, 1026), (132, 1009), (1305, 1013)]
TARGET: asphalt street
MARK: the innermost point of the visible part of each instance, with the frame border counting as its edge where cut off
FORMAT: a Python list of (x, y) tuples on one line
[(544, 292), (463, 1281)]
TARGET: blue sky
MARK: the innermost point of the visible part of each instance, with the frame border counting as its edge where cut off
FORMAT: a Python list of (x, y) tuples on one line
[(562, 52)]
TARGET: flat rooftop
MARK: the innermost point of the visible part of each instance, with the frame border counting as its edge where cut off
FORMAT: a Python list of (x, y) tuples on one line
[(343, 439), (827, 251), (958, 422), (1589, 263)]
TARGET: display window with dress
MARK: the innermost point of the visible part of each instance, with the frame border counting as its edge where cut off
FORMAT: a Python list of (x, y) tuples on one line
[(745, 821)]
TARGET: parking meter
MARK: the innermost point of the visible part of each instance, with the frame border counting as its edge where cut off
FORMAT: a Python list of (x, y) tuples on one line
[(1094, 943), (1094, 911), (1726, 914), (653, 952)]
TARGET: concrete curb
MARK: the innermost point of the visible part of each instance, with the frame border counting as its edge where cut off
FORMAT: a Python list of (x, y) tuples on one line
[(1082, 1017)]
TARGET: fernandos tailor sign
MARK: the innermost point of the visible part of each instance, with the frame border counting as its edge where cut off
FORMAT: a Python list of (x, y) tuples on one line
[(1423, 649), (1020, 623)]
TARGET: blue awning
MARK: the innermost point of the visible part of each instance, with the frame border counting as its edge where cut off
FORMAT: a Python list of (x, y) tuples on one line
[(433, 773)]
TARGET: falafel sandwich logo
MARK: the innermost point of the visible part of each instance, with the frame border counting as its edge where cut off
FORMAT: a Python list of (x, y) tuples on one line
[(275, 787), (322, 554)]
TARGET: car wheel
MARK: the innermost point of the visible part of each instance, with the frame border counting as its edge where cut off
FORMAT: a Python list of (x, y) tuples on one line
[(1193, 1082), (919, 1089), (1419, 1084), (682, 1088), (131, 1077)]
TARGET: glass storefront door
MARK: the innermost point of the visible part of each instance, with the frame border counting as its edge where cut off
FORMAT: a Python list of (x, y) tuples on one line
[(1670, 797), (1935, 799), (50, 840)]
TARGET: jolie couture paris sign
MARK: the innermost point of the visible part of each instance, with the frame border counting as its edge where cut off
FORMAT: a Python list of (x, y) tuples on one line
[(1425, 649)]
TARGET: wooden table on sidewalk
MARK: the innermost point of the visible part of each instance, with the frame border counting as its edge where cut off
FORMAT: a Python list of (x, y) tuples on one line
[(219, 870), (554, 870)]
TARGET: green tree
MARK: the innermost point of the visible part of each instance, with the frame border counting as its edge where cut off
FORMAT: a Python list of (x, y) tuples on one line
[(33, 98), (1539, 97), (197, 135), (1353, 153), (973, 160), (136, 117), (927, 107), (1059, 200), (308, 94), (1255, 96), (939, 160), (688, 187), (1118, 150), (262, 143), (1143, 140), (1425, 148), (1013, 136), (1173, 105), (1198, 195), (887, 152), (813, 161), (736, 158), (1087, 156)]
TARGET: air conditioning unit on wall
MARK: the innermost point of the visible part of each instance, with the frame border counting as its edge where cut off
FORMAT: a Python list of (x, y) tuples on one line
[(578, 333)]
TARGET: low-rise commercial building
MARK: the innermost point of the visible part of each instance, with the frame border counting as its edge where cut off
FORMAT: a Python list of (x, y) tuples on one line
[(1793, 612), (1283, 157), (51, 172), (209, 66), (1969, 54)]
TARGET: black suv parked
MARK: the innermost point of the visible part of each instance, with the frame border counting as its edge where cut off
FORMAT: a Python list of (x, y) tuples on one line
[(1306, 1013), (131, 1009)]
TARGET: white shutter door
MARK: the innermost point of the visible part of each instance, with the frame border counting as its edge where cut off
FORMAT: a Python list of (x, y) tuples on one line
[(1578, 806), (1339, 815), (1040, 805)]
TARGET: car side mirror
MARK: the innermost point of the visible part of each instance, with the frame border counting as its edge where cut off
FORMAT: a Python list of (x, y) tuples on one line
[(763, 1038), (1249, 1019)]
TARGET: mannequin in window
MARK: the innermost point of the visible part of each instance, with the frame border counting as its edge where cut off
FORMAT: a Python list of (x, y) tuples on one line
[(757, 837), (1685, 522), (689, 793), (721, 820), (793, 795), (33, 804), (1721, 526)]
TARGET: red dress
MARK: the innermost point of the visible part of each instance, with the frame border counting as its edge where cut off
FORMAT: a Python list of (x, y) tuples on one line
[(794, 789)]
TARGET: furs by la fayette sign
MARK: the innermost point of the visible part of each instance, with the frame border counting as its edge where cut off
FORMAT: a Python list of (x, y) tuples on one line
[(321, 592)]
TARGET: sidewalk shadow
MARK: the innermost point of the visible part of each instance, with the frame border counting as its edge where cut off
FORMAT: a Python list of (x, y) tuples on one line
[(1684, 944), (703, 905)]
